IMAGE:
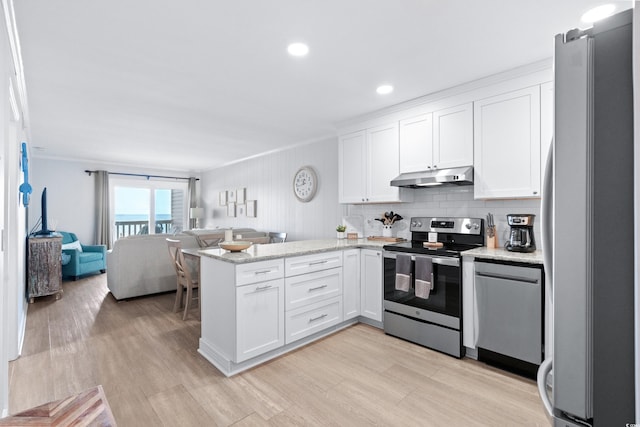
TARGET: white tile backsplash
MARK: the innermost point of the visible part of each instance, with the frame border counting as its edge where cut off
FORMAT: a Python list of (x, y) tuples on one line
[(448, 201)]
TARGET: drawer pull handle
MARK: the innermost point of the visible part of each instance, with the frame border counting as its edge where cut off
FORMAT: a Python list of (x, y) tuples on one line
[(262, 272), (262, 288), (322, 316), (324, 261), (317, 288)]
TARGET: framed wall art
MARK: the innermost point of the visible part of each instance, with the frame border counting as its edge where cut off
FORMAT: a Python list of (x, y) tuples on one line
[(222, 198), (231, 196), (251, 208), (231, 209), (241, 195)]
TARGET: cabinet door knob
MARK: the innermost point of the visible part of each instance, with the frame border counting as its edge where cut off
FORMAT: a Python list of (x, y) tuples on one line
[(435, 166)]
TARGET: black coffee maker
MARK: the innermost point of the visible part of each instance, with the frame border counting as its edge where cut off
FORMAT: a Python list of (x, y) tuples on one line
[(521, 236)]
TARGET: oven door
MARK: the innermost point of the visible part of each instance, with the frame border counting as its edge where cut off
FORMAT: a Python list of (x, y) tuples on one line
[(444, 304)]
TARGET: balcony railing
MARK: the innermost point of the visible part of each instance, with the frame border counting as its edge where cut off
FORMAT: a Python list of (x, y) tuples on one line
[(128, 228)]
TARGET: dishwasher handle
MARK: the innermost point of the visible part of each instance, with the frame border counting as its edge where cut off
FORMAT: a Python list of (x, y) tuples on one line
[(506, 277)]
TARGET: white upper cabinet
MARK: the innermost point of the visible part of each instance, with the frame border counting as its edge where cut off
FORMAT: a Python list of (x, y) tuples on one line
[(383, 163), (416, 143), (439, 140), (369, 160), (453, 137), (507, 145), (351, 169)]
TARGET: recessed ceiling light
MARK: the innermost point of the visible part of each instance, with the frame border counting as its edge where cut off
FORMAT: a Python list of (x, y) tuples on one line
[(384, 89), (298, 49), (598, 13)]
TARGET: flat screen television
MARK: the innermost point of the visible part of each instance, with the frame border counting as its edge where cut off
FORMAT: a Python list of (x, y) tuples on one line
[(44, 231)]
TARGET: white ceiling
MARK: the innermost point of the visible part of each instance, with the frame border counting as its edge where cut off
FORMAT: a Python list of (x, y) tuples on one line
[(196, 84)]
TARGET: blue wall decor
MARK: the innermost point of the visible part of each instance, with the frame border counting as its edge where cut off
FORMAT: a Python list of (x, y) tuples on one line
[(25, 187)]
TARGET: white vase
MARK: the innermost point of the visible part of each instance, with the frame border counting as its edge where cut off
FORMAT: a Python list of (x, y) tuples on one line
[(340, 234), (387, 231)]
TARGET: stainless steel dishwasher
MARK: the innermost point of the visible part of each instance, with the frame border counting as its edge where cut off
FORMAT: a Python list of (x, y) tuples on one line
[(509, 309)]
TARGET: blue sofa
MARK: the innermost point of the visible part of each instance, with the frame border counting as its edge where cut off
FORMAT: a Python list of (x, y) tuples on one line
[(75, 262)]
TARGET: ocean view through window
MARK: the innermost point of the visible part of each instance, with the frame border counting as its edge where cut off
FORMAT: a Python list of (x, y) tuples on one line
[(147, 208)]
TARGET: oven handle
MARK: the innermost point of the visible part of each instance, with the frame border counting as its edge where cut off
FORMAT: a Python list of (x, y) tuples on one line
[(450, 261)]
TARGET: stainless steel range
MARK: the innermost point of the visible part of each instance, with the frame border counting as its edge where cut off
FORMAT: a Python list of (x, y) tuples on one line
[(423, 282)]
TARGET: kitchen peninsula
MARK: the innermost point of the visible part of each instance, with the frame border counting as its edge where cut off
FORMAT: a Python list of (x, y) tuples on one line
[(270, 299)]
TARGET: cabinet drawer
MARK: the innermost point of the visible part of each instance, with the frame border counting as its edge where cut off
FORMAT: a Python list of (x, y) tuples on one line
[(313, 318), (310, 263), (313, 287), (259, 271)]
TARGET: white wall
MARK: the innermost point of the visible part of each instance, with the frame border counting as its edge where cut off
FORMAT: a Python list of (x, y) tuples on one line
[(71, 193), (269, 180)]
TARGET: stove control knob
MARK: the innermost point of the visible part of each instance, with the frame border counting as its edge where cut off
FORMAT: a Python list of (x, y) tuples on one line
[(416, 224), (468, 226)]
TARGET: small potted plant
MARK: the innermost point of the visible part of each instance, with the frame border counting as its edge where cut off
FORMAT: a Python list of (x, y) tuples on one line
[(340, 229)]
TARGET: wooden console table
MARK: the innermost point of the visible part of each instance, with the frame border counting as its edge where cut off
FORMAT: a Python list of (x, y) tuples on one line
[(44, 266)]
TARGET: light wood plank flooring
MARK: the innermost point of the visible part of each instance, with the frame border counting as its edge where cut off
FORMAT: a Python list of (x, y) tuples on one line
[(145, 358)]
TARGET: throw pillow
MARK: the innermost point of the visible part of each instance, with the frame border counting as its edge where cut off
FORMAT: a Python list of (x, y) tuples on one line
[(65, 258), (73, 245)]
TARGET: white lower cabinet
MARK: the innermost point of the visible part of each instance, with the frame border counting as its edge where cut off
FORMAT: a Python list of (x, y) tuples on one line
[(253, 310), (468, 303), (313, 287), (371, 284), (313, 318), (259, 318), (351, 283)]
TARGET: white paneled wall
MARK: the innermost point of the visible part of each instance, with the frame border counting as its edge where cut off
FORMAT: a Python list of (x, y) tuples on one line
[(269, 180), (448, 201)]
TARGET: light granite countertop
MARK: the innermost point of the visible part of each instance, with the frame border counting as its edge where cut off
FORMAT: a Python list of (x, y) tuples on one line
[(505, 255), (265, 252)]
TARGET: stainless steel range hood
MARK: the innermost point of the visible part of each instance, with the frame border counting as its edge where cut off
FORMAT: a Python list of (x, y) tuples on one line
[(454, 176)]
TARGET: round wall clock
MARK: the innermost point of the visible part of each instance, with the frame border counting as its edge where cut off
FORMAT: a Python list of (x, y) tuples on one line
[(305, 183)]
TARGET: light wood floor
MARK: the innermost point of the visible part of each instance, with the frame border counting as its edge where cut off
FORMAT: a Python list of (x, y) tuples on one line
[(145, 358)]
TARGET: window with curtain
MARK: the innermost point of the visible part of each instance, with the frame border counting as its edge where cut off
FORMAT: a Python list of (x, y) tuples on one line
[(142, 206)]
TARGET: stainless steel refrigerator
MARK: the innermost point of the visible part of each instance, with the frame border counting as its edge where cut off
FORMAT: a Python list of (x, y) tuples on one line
[(587, 227)]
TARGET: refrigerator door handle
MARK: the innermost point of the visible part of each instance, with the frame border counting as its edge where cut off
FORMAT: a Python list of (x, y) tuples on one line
[(543, 373), (546, 222)]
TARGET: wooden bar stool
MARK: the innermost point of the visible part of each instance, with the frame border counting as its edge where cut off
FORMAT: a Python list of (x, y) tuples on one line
[(184, 280)]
